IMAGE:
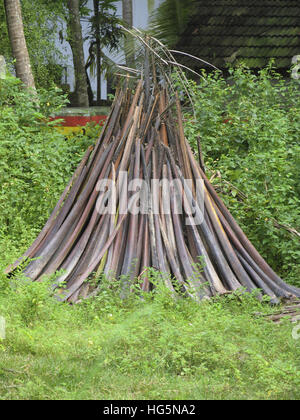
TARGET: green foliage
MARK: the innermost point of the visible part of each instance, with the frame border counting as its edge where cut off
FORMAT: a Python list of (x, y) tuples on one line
[(41, 27), (105, 26), (4, 43), (170, 19), (250, 127), (151, 6), (103, 29), (36, 160)]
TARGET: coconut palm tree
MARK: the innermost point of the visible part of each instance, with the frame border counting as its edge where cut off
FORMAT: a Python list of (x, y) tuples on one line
[(104, 33), (76, 43), (18, 42), (169, 20), (127, 12)]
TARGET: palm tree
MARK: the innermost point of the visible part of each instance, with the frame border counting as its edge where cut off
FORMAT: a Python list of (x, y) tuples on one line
[(127, 11), (170, 19), (98, 50), (76, 43), (104, 34), (18, 42), (151, 5)]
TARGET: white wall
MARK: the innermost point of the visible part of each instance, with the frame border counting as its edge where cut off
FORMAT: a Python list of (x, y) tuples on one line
[(140, 20)]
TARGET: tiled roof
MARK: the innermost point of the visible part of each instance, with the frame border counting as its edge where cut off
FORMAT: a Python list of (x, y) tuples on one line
[(221, 31)]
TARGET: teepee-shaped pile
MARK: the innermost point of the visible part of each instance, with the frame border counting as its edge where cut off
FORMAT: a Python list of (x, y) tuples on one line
[(202, 251)]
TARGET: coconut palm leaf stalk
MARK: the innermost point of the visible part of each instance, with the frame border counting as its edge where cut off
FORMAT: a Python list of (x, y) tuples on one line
[(201, 251)]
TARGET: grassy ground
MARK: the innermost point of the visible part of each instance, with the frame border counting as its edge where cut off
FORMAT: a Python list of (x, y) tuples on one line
[(151, 348)]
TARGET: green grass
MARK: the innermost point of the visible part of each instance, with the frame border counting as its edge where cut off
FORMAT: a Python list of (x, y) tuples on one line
[(151, 348)]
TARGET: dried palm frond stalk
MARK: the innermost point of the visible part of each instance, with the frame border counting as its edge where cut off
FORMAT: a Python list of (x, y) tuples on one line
[(170, 218)]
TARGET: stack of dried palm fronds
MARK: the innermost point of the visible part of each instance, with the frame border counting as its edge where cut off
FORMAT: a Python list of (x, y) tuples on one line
[(200, 251), (290, 311)]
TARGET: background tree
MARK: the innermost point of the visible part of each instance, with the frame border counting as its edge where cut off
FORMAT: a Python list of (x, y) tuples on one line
[(169, 20), (104, 34), (18, 42), (127, 13), (98, 48), (41, 26), (76, 43)]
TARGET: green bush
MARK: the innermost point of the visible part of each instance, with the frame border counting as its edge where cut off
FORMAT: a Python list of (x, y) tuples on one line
[(36, 160), (250, 126)]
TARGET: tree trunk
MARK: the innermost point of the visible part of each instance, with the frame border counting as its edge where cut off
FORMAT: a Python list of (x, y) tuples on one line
[(98, 51), (76, 43), (129, 41), (18, 42)]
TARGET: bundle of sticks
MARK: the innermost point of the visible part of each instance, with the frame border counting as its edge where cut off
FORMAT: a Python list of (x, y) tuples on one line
[(140, 199), (291, 311)]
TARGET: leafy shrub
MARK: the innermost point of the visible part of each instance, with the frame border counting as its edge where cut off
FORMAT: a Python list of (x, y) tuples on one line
[(250, 126), (42, 24), (36, 160)]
